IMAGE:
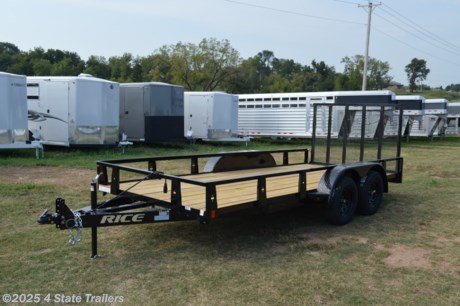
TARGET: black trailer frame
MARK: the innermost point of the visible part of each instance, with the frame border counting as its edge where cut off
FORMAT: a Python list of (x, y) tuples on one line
[(172, 204)]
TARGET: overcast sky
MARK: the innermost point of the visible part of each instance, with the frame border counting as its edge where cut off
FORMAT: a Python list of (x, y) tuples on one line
[(302, 30)]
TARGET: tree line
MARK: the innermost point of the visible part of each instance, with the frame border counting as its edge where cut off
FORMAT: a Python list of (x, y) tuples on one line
[(207, 66)]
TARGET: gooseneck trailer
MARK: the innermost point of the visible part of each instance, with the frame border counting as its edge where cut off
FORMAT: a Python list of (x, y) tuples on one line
[(289, 115), (342, 172), (453, 118)]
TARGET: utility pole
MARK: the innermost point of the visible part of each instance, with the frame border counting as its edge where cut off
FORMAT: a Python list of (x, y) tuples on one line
[(370, 7)]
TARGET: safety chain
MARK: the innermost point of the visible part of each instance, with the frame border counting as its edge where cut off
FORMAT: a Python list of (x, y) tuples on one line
[(75, 231)]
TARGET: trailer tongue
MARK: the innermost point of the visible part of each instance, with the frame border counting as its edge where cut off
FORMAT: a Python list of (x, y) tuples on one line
[(237, 180)]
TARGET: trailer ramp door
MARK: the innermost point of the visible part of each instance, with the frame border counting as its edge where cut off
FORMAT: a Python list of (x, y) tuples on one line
[(57, 113), (132, 113)]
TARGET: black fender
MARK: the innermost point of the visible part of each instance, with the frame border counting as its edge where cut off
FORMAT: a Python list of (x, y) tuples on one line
[(357, 171), (241, 161)]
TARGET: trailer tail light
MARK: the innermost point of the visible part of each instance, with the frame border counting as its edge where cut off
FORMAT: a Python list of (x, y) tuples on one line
[(213, 214)]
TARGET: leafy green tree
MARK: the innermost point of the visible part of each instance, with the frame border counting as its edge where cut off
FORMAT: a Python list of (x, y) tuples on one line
[(341, 82), (42, 67), (453, 87), (97, 66), (65, 67), (378, 77), (137, 71), (286, 68), (205, 66), (121, 68), (8, 54), (245, 78), (158, 66), (416, 70), (9, 48), (265, 61), (55, 55), (51, 62), (353, 70), (324, 76), (378, 74), (276, 83), (267, 73)]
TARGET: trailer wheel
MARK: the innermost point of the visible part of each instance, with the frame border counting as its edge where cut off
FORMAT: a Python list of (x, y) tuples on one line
[(370, 194), (342, 202)]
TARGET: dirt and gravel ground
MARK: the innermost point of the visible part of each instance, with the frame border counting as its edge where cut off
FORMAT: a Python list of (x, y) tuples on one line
[(46, 175)]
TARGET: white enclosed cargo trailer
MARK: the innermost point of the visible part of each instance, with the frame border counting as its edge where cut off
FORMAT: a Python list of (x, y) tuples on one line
[(289, 114), (14, 133), (152, 111), (211, 116), (13, 108), (74, 111), (453, 118)]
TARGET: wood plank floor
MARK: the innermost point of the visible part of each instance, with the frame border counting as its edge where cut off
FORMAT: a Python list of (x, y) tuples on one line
[(193, 196)]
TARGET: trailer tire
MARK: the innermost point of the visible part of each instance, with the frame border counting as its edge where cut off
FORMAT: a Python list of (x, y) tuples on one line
[(342, 202), (370, 194)]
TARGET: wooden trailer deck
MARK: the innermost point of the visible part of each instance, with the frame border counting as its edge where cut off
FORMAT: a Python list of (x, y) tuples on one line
[(228, 194)]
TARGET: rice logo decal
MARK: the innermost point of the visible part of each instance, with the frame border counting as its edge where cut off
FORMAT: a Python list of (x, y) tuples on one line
[(123, 218), (39, 117)]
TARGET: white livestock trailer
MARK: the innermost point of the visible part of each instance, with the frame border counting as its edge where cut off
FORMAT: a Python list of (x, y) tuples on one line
[(434, 120), (413, 111), (211, 116), (14, 133), (453, 118), (289, 115), (74, 111)]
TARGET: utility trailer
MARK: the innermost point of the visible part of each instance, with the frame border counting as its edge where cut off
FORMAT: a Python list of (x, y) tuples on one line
[(345, 174), (74, 111), (14, 133), (152, 111)]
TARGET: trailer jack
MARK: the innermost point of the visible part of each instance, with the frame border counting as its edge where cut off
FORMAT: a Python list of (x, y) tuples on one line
[(63, 218), (113, 214)]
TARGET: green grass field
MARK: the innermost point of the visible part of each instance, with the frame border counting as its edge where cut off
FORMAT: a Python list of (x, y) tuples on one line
[(406, 254)]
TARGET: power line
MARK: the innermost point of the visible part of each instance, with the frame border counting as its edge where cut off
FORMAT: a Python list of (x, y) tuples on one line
[(293, 13), (415, 48), (402, 19), (419, 37), (425, 31), (348, 2)]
